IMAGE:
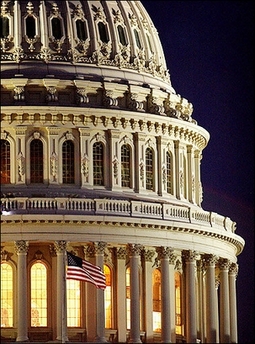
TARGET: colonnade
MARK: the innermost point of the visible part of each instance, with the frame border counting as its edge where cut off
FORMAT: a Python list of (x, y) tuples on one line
[(213, 329)]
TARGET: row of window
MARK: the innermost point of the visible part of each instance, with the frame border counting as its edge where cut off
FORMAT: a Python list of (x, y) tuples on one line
[(57, 29), (69, 166), (39, 304)]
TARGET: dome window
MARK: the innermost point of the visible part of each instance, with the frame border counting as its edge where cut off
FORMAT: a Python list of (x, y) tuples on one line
[(56, 28), (149, 42), (36, 161), (149, 169), (30, 27), (103, 32), (98, 163), (68, 162), (137, 39), (4, 25), (122, 36), (81, 30), (5, 162)]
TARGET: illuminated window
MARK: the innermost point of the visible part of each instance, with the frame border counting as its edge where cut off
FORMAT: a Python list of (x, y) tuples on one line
[(122, 36), (36, 161), (56, 28), (137, 39), (6, 295), (4, 27), (149, 169), (169, 172), (68, 162), (98, 163), (38, 295), (178, 321), (73, 303), (128, 297), (108, 297), (81, 30), (103, 32), (125, 166), (5, 162), (30, 27), (156, 300)]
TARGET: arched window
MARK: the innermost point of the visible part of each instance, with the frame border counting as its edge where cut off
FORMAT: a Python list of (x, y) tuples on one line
[(81, 30), (5, 162), (149, 169), (6, 295), (68, 162), (56, 28), (128, 309), (126, 165), (103, 32), (108, 297), (73, 291), (156, 281), (4, 27), (122, 36), (36, 161), (137, 39), (30, 27), (38, 282), (98, 163), (169, 173), (178, 321)]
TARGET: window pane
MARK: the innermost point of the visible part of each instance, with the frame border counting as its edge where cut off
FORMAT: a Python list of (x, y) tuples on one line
[(6, 295), (102, 32), (73, 303), (98, 170), (5, 162), (108, 297), (30, 27), (169, 172), (36, 161), (149, 169), (137, 39), (156, 300), (4, 26), (68, 162), (56, 28), (178, 321), (81, 30), (122, 35), (125, 166), (38, 295), (128, 297)]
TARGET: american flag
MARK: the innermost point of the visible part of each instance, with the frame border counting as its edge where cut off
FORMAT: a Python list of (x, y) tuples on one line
[(82, 270)]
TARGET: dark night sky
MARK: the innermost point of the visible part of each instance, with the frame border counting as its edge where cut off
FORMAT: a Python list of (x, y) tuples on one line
[(209, 51)]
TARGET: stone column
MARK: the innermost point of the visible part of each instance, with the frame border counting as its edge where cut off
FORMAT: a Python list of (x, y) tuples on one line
[(163, 255), (134, 251), (99, 248), (148, 294), (172, 260), (200, 301), (61, 291), (232, 300), (211, 323), (224, 265), (217, 283), (21, 248), (190, 288), (121, 294)]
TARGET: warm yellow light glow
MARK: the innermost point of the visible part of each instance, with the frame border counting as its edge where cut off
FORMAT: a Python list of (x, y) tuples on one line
[(156, 285), (178, 321), (38, 295), (6, 295), (108, 297), (73, 303), (128, 296)]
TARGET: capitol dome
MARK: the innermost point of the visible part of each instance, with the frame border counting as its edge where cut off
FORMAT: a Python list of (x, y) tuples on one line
[(100, 158)]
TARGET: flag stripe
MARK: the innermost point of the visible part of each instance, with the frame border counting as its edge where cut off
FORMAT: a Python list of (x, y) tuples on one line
[(83, 270)]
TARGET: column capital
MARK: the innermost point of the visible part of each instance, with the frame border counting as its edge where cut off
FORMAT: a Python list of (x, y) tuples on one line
[(121, 252), (134, 249), (21, 246), (233, 269), (165, 252), (209, 259), (60, 246), (189, 255), (148, 255), (224, 264), (95, 248)]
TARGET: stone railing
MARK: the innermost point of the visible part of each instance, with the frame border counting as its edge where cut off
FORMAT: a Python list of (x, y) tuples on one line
[(107, 207)]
